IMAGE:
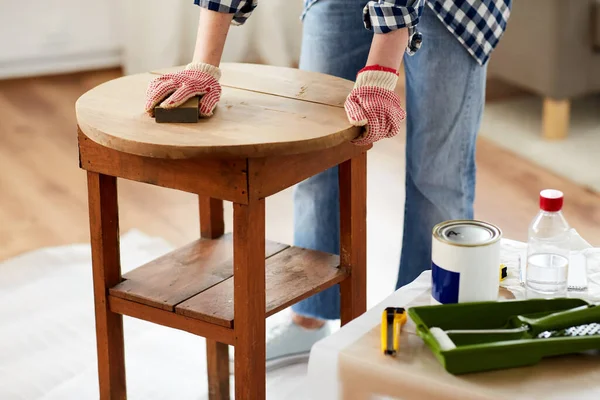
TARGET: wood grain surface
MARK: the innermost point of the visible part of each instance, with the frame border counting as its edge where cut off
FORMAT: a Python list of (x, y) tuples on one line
[(217, 364), (170, 319), (270, 175), (221, 178), (183, 273), (212, 226), (292, 275), (245, 124), (353, 236), (106, 272), (249, 299), (285, 82)]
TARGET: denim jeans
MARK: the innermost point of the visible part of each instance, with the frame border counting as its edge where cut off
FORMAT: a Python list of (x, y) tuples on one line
[(445, 90)]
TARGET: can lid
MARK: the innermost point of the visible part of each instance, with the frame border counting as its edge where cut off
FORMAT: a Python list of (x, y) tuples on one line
[(467, 233), (551, 200)]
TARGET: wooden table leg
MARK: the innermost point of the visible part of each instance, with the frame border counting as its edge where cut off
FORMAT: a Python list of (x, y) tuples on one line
[(212, 225), (106, 265), (353, 236), (217, 360), (555, 118), (249, 299), (217, 354)]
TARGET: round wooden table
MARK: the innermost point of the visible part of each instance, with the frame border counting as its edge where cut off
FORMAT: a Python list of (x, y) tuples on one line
[(273, 128)]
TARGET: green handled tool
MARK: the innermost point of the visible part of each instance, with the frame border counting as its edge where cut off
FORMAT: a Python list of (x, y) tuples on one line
[(537, 328), (572, 321)]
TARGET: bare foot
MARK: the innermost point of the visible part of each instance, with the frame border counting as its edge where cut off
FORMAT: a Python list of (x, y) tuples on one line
[(306, 322)]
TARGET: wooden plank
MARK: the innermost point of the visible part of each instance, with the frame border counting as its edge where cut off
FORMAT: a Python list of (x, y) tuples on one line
[(170, 319), (555, 119), (291, 276), (106, 272), (291, 83), (182, 273), (185, 113), (212, 225), (245, 124), (249, 299), (220, 178), (270, 175), (353, 236), (217, 361)]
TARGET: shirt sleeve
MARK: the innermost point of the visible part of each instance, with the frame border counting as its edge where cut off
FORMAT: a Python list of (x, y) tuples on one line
[(384, 16), (241, 9)]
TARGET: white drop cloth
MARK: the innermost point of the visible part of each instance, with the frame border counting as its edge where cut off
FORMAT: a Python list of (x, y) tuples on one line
[(47, 334), (584, 269)]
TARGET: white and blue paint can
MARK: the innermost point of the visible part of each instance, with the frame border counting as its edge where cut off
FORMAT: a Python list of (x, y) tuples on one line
[(465, 260)]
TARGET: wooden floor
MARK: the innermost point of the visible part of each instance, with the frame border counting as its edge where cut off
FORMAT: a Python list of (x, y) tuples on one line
[(43, 198)]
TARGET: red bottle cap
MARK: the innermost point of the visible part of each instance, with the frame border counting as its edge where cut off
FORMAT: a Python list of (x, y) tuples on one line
[(551, 200)]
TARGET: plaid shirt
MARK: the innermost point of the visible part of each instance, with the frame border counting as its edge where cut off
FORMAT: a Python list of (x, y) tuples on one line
[(476, 24)]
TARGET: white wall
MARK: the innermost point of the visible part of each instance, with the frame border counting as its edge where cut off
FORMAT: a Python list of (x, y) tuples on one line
[(58, 36), (53, 36)]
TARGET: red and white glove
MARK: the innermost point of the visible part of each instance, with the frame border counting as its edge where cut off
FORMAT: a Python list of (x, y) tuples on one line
[(172, 90), (372, 103)]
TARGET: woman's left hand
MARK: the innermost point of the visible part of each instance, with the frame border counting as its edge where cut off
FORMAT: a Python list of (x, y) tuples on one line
[(375, 105)]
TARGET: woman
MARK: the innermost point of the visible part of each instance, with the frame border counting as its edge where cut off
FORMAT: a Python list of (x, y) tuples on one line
[(366, 41)]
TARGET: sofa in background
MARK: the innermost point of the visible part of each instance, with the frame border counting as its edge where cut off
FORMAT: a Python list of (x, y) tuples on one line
[(552, 48)]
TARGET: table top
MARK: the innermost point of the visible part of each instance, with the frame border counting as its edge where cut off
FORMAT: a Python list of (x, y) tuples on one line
[(264, 110), (350, 361)]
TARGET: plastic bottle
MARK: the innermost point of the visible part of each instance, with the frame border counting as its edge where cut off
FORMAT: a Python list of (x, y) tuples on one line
[(548, 247)]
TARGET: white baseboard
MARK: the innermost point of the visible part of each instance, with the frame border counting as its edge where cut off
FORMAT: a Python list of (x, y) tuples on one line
[(60, 64)]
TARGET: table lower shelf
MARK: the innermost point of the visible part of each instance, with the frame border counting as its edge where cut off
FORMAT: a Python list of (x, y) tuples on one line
[(196, 281)]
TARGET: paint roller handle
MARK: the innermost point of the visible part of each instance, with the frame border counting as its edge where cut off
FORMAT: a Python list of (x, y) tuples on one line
[(562, 319)]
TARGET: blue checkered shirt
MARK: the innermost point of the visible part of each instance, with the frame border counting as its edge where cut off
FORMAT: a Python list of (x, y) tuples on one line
[(476, 24)]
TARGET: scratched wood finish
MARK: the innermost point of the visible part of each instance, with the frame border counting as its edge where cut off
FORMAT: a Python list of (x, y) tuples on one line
[(106, 272), (225, 179), (249, 299), (291, 276), (170, 319), (245, 124), (182, 273), (273, 174), (353, 236), (284, 82)]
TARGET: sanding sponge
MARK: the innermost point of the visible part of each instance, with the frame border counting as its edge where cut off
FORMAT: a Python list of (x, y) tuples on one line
[(185, 113)]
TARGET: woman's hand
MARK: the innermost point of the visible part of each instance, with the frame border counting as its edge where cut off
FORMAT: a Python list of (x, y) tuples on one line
[(172, 90), (374, 104), (201, 77)]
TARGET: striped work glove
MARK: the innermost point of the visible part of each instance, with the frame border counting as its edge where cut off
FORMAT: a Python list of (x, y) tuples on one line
[(172, 90), (372, 103)]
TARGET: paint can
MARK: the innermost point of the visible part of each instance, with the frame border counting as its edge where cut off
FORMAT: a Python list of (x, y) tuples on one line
[(465, 260)]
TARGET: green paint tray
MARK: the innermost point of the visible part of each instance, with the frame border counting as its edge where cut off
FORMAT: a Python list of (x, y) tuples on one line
[(478, 352)]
